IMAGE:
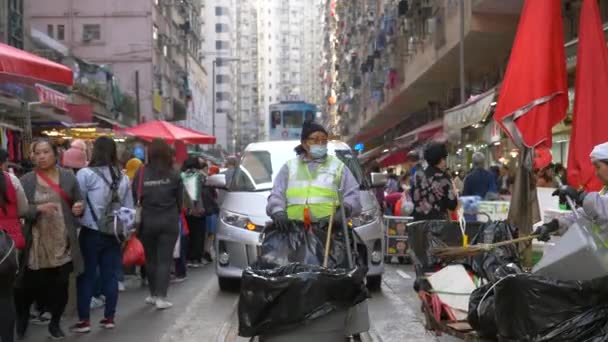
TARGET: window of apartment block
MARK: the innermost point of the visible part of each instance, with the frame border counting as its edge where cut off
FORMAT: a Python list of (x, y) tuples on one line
[(222, 45), (269, 98), (50, 31), (60, 32), (154, 32), (222, 79), (219, 28), (221, 10), (91, 32), (222, 96)]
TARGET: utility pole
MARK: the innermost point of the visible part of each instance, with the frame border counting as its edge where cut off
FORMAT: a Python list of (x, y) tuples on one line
[(462, 75)]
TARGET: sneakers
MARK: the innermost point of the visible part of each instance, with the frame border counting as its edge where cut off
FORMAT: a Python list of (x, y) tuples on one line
[(163, 304), (194, 264), (107, 323), (151, 300), (56, 333), (176, 280), (41, 319), (97, 303), (121, 286), (82, 327)]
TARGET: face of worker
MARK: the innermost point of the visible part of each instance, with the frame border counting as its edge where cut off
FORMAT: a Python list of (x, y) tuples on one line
[(442, 164), (601, 171), (317, 138)]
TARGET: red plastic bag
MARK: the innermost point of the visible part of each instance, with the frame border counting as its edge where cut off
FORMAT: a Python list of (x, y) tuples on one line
[(134, 253)]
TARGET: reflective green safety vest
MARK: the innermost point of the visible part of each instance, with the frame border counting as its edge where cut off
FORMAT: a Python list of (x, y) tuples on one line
[(317, 191)]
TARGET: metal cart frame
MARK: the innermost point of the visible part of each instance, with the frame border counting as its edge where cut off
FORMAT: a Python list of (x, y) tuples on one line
[(392, 237)]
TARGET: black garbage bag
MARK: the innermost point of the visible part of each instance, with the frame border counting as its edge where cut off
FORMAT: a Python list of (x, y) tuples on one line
[(481, 312), (286, 297), (589, 326), (426, 235), (528, 306), (486, 264), (302, 245)]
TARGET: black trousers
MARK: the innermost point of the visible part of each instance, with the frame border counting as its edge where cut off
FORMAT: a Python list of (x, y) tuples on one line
[(196, 240), (47, 286), (159, 242), (7, 315)]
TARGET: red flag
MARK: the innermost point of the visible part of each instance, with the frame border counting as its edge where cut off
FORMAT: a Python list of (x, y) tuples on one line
[(591, 102), (534, 93)]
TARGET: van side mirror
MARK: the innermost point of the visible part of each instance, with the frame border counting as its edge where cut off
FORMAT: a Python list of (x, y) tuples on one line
[(216, 181), (378, 179)]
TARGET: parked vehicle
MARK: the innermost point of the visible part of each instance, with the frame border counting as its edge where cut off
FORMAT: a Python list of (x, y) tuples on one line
[(243, 210)]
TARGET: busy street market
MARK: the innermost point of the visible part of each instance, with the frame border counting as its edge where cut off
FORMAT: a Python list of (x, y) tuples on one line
[(304, 170)]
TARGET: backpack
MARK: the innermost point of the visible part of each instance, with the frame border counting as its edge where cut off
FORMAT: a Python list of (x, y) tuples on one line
[(9, 264), (109, 222)]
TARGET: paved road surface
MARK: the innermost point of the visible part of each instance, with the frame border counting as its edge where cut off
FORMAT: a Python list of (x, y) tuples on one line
[(202, 313)]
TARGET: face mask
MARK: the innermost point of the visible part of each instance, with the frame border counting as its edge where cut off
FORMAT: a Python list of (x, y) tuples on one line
[(318, 151)]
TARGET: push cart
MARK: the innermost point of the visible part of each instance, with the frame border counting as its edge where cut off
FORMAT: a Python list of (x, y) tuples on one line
[(425, 235), (395, 237)]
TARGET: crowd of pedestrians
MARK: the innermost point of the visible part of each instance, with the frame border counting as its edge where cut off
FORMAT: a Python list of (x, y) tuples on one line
[(71, 217)]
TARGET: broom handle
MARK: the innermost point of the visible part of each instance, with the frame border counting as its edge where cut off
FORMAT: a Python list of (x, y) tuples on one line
[(514, 241), (328, 239)]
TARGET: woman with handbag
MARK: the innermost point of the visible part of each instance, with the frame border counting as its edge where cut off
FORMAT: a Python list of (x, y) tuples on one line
[(160, 198), (104, 187), (52, 250), (13, 205)]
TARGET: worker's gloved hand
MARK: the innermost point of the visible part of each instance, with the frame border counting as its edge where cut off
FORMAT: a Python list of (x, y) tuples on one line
[(544, 232), (577, 196), (280, 221)]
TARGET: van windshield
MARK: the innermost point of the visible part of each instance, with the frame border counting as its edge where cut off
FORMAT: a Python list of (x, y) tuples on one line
[(254, 172), (347, 157)]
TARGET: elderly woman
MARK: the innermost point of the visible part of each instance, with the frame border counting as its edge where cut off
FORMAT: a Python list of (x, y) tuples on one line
[(433, 192), (52, 250)]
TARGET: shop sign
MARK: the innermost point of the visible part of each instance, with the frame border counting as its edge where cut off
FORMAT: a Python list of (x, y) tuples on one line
[(52, 97), (157, 102), (492, 132), (469, 113)]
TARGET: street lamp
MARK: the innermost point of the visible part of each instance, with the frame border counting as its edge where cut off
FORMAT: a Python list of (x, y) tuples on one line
[(222, 59)]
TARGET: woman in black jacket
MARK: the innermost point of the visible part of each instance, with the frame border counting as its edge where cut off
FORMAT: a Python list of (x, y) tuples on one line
[(161, 200)]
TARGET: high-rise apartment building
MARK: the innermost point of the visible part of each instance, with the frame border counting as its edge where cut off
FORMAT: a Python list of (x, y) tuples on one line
[(219, 57), (11, 22), (289, 50), (150, 45)]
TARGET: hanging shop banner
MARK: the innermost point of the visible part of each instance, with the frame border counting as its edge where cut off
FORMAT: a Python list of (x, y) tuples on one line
[(51, 97), (492, 132), (470, 113)]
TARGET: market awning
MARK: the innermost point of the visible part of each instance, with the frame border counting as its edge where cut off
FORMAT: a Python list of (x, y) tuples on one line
[(26, 66), (108, 120), (371, 154), (393, 158), (169, 132), (472, 112), (429, 131)]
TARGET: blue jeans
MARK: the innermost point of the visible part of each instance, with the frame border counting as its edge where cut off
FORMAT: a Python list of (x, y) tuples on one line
[(100, 252)]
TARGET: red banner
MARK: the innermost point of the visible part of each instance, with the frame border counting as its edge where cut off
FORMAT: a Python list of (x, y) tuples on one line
[(52, 97), (82, 113)]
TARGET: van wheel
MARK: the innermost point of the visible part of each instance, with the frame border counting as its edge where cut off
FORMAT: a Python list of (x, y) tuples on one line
[(374, 283), (229, 284)]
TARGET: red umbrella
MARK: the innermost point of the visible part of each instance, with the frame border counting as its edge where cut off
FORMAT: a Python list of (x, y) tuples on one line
[(169, 132), (23, 65), (534, 93), (591, 102)]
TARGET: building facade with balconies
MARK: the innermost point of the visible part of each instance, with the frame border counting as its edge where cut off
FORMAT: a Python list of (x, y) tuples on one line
[(145, 43)]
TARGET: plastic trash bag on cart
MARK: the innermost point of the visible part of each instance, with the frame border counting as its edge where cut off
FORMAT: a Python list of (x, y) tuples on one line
[(301, 245), (488, 263), (529, 306), (482, 312), (589, 326), (426, 235), (281, 292)]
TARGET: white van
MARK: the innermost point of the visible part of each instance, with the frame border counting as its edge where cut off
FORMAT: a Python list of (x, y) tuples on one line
[(243, 210)]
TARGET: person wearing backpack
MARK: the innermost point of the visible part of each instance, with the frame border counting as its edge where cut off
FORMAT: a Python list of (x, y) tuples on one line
[(52, 251), (106, 192), (13, 205)]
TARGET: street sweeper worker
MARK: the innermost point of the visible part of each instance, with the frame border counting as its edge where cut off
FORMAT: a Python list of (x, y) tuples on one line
[(591, 205), (306, 188)]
